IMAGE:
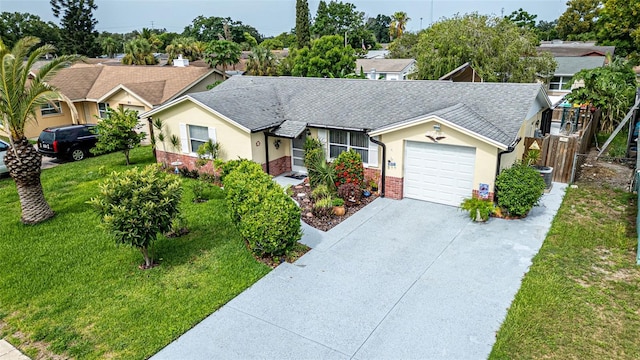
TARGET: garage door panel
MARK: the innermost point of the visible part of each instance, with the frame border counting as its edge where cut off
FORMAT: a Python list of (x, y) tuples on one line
[(438, 173)]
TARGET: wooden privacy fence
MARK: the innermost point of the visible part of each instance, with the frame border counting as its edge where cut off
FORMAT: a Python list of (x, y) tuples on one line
[(559, 151)]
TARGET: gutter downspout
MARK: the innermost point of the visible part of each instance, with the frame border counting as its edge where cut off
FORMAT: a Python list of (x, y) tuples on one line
[(384, 163), (510, 149), (266, 150)]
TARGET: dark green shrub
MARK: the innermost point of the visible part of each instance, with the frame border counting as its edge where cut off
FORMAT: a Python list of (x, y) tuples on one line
[(322, 172), (267, 218), (349, 169), (228, 167), (191, 174), (312, 149), (518, 189)]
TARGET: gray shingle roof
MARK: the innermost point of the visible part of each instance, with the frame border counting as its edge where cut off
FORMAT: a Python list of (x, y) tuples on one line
[(290, 129), (570, 65), (493, 110)]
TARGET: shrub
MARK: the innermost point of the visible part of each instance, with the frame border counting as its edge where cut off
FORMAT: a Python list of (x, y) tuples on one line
[(312, 150), (227, 167), (518, 189), (323, 207), (350, 193), (208, 151), (479, 209), (191, 174), (320, 192), (137, 205), (349, 169), (117, 132), (266, 217), (337, 202), (322, 172)]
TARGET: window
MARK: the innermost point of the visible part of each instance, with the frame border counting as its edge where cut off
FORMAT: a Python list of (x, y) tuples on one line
[(198, 135), (560, 83), (49, 109), (340, 140), (102, 109)]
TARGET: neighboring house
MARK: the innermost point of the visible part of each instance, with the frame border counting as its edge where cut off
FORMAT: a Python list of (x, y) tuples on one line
[(93, 88), (441, 139), (571, 58), (463, 73), (386, 69)]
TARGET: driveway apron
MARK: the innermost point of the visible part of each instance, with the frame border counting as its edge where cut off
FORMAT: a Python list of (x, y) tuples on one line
[(400, 279)]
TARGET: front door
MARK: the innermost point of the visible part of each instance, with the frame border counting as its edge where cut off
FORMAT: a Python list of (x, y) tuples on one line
[(297, 153)]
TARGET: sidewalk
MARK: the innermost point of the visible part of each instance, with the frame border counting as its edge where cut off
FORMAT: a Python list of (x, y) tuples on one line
[(8, 352)]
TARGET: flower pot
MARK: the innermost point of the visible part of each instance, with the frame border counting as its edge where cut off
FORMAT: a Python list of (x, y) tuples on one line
[(339, 210)]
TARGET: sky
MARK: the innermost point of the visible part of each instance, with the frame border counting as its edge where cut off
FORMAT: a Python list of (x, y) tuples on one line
[(272, 17)]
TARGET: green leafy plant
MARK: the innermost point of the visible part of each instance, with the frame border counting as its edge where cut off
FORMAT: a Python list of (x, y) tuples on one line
[(323, 207), (349, 169), (320, 192), (337, 202), (137, 205), (322, 172), (208, 151), (267, 218), (532, 157), (518, 189), (117, 132), (479, 209), (350, 193)]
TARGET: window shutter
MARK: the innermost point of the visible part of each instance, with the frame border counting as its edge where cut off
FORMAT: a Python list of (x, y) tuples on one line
[(373, 153), (323, 137), (212, 134), (184, 139)]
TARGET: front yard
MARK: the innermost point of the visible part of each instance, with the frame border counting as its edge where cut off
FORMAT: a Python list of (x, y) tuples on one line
[(580, 298), (69, 291)]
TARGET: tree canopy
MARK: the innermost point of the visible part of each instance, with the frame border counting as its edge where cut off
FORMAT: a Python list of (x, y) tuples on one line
[(328, 57), (14, 26), (207, 29), (619, 25), (405, 47), (380, 27), (303, 32), (223, 53), (338, 18), (498, 50), (523, 19), (578, 22), (78, 34), (398, 23)]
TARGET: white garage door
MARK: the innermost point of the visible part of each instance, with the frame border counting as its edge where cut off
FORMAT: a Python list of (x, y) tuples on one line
[(438, 173)]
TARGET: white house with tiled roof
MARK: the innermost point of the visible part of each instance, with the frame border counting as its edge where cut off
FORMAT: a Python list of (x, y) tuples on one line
[(430, 140)]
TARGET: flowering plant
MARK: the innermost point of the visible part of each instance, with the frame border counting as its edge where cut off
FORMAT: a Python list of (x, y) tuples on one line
[(349, 169)]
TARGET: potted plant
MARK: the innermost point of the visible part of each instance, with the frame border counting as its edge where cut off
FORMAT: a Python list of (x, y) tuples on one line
[(338, 207), (479, 209)]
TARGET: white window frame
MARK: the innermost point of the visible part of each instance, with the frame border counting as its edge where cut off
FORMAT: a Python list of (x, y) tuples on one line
[(185, 137), (49, 110), (560, 84), (103, 112), (348, 145), (192, 139)]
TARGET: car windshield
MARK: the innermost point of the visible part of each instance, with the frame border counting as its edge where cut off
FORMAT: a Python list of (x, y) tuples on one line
[(46, 136)]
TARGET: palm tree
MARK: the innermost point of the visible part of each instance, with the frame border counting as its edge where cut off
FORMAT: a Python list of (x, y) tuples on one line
[(187, 46), (21, 95), (138, 52), (262, 62), (222, 52), (398, 24), (109, 46)]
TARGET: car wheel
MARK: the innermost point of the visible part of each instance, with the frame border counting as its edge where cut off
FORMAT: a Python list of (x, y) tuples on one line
[(78, 154)]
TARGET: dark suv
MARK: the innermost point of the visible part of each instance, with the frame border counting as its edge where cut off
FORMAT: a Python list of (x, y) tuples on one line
[(68, 141)]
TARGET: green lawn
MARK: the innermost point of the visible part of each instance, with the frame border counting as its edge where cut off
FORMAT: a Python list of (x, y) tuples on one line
[(581, 297), (66, 285)]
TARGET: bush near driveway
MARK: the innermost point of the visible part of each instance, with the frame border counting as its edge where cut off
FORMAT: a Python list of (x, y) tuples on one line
[(518, 189), (64, 284), (266, 216)]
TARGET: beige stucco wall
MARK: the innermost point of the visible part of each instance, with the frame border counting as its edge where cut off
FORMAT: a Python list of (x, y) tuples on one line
[(122, 98), (234, 142), (33, 129), (258, 148), (485, 166)]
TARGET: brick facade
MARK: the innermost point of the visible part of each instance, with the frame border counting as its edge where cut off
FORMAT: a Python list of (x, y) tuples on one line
[(278, 166), (475, 194), (393, 187), (187, 161)]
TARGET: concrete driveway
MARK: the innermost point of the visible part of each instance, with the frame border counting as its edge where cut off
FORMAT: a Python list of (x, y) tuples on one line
[(398, 280)]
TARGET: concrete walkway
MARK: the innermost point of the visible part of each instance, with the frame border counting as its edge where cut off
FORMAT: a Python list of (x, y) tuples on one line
[(399, 279), (8, 352)]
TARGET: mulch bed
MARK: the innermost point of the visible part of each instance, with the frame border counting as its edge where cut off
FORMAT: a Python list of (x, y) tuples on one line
[(324, 223)]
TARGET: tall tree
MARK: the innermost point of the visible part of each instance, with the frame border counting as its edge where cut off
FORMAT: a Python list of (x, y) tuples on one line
[(21, 95), (523, 19), (138, 52), (328, 57), (398, 23), (222, 53), (78, 34), (109, 46), (405, 47), (211, 28), (546, 30), (619, 25), (262, 62), (338, 18), (303, 33), (579, 20), (380, 27), (188, 47), (497, 49), (15, 26)]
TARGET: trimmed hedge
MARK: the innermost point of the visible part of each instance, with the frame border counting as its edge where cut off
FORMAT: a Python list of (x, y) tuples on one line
[(519, 188), (266, 217)]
